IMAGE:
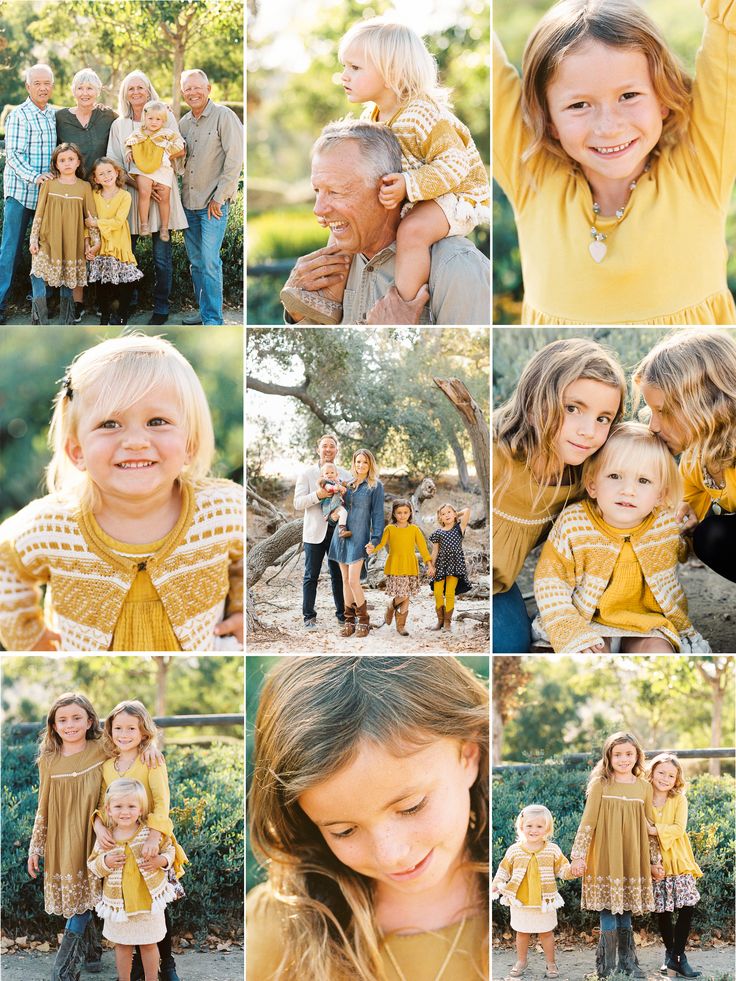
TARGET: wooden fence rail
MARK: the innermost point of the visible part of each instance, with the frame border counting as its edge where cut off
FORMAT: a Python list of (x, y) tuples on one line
[(164, 722)]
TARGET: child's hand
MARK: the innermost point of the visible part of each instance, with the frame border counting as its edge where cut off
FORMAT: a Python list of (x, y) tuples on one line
[(578, 867), (90, 221), (33, 249), (49, 639), (393, 190), (105, 840), (430, 571), (651, 830), (595, 648), (152, 862), (90, 253), (685, 517), (152, 756), (657, 872), (231, 625), (33, 866), (152, 843), (115, 859), (370, 549)]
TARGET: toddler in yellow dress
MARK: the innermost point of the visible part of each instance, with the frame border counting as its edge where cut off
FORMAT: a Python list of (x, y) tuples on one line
[(150, 152)]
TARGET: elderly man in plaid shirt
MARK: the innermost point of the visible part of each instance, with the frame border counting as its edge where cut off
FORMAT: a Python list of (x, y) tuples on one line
[(30, 137)]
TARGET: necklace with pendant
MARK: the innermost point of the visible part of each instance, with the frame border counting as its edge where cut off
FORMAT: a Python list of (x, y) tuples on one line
[(597, 246), (400, 974)]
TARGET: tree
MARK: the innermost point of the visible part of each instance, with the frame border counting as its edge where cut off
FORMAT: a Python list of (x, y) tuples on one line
[(476, 425), (510, 678)]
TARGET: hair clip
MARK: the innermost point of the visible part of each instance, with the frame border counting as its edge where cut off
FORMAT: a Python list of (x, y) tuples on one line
[(66, 386)]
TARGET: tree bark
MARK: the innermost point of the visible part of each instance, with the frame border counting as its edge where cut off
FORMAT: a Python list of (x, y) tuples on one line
[(295, 391), (265, 553), (480, 435), (462, 467)]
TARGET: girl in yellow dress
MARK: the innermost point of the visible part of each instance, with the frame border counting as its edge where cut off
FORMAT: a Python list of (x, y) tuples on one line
[(613, 853), (150, 151), (677, 890), (113, 268), (402, 539), (619, 166), (129, 731), (369, 810)]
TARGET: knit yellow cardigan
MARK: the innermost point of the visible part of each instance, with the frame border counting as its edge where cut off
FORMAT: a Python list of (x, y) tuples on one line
[(198, 573), (575, 568), (123, 894), (552, 864)]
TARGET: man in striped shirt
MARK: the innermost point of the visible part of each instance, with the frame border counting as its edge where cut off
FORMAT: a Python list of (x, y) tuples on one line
[(30, 137)]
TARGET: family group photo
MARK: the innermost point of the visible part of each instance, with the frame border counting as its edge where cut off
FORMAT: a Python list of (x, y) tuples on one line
[(368, 804), (121, 153), (614, 490), (372, 206), (367, 489), (614, 159), (121, 507), (613, 818), (122, 818)]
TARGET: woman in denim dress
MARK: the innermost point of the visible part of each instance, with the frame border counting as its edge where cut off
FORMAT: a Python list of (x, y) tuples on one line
[(364, 503)]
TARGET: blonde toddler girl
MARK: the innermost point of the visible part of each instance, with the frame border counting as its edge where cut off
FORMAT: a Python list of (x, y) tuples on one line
[(150, 151), (450, 577)]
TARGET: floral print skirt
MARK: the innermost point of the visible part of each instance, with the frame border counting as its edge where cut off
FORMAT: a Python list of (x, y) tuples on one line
[(675, 891)]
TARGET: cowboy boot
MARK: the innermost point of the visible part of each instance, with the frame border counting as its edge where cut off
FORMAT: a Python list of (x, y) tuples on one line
[(605, 955), (627, 962), (39, 310), (69, 957), (167, 970), (389, 614), (401, 615), (348, 627), (67, 310), (440, 611), (447, 620), (92, 947), (364, 622)]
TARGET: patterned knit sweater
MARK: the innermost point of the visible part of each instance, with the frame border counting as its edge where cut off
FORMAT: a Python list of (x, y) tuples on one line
[(439, 155), (198, 574), (575, 569), (552, 865), (131, 889)]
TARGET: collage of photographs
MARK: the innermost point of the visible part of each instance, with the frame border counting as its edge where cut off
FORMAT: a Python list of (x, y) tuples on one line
[(264, 715)]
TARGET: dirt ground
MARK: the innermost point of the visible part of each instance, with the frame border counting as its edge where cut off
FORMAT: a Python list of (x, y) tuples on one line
[(711, 601), (577, 962), (191, 966), (279, 604)]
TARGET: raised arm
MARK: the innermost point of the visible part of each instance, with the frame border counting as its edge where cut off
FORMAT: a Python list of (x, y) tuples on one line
[(509, 133)]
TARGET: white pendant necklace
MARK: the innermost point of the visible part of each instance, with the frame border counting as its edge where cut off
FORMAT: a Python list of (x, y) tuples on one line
[(597, 246)]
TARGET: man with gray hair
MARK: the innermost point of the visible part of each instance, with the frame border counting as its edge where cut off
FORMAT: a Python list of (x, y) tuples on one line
[(30, 138), (215, 150), (348, 161)]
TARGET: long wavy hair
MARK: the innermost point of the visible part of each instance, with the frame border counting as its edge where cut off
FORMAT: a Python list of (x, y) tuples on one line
[(371, 477), (526, 426), (696, 372), (603, 770), (50, 741), (313, 714), (679, 787), (145, 723)]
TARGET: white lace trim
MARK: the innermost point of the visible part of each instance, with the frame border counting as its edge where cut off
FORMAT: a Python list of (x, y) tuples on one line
[(523, 521), (77, 773)]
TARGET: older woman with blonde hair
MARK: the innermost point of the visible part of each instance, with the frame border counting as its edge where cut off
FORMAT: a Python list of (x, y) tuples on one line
[(135, 91)]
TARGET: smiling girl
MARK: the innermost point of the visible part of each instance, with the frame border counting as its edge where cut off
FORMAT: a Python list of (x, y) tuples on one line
[(138, 548), (369, 805), (619, 168)]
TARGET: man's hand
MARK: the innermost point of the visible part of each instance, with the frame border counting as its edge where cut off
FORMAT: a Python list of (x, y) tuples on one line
[(214, 210), (393, 191), (48, 176), (391, 309), (316, 270), (231, 625), (156, 191)]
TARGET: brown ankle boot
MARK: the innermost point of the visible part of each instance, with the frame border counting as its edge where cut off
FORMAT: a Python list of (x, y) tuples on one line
[(348, 628), (401, 615), (390, 610), (448, 621), (440, 618), (364, 622)]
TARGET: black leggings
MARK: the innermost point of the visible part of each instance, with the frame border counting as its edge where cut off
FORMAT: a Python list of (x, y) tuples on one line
[(714, 542), (112, 295), (675, 938)]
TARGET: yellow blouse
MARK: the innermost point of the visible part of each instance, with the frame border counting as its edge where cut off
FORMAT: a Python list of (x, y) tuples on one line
[(112, 220), (402, 545), (671, 824), (529, 892), (700, 497), (666, 259)]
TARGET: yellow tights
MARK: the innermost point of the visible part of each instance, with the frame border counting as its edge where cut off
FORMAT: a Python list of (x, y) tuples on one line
[(448, 587)]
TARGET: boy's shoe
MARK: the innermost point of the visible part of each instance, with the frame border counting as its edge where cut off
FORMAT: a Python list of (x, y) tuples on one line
[(314, 304), (157, 319)]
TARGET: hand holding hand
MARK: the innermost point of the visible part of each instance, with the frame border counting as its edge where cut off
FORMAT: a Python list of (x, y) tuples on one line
[(657, 872), (430, 571), (685, 517), (152, 862), (231, 625), (370, 549), (91, 222), (578, 867), (115, 859), (393, 191), (651, 830), (319, 269)]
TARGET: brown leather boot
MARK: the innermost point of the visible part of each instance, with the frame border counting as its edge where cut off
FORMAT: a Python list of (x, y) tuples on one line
[(448, 621), (440, 618), (364, 622), (390, 610), (348, 628), (401, 614)]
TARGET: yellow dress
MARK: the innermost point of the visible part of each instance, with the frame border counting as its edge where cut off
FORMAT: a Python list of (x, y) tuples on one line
[(403, 543), (699, 496), (666, 259), (62, 831), (59, 231), (112, 220), (419, 955)]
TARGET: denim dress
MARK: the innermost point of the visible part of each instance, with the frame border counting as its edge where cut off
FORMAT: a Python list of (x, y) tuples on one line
[(365, 519)]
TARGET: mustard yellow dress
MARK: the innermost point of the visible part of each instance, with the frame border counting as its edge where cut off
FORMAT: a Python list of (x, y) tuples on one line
[(115, 262), (700, 492), (419, 955), (62, 831), (59, 231), (666, 258), (678, 888)]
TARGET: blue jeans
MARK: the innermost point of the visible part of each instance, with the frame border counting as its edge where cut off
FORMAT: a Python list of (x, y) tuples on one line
[(16, 219), (511, 626), (614, 921), (78, 922), (313, 557), (203, 240), (163, 274)]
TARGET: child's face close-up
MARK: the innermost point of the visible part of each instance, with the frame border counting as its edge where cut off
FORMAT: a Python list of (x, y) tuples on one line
[(124, 811), (623, 757), (154, 121), (664, 777), (67, 163), (136, 453), (402, 515), (534, 829), (447, 517), (126, 731), (661, 422), (329, 473), (71, 723), (589, 407), (401, 820), (604, 110), (361, 81), (625, 494), (105, 175)]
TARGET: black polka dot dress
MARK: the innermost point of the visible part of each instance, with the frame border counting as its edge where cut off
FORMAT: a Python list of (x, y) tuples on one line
[(450, 558)]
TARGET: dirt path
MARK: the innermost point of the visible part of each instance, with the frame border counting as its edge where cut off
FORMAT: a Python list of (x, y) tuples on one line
[(191, 966), (578, 963)]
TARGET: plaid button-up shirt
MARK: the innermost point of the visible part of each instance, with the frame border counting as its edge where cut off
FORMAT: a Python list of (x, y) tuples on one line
[(30, 137)]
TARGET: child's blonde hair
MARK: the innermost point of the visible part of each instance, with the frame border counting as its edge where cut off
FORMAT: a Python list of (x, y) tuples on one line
[(155, 105), (679, 787), (603, 770), (115, 374), (122, 788), (696, 372), (145, 723), (535, 810), (526, 426), (313, 714), (632, 445), (618, 24), (399, 56), (442, 508), (50, 741)]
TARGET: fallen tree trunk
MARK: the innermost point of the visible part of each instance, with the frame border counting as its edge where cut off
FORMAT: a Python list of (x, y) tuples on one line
[(265, 553), (480, 435)]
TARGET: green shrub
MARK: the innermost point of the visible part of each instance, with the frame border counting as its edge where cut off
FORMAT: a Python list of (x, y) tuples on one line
[(207, 812), (562, 790)]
